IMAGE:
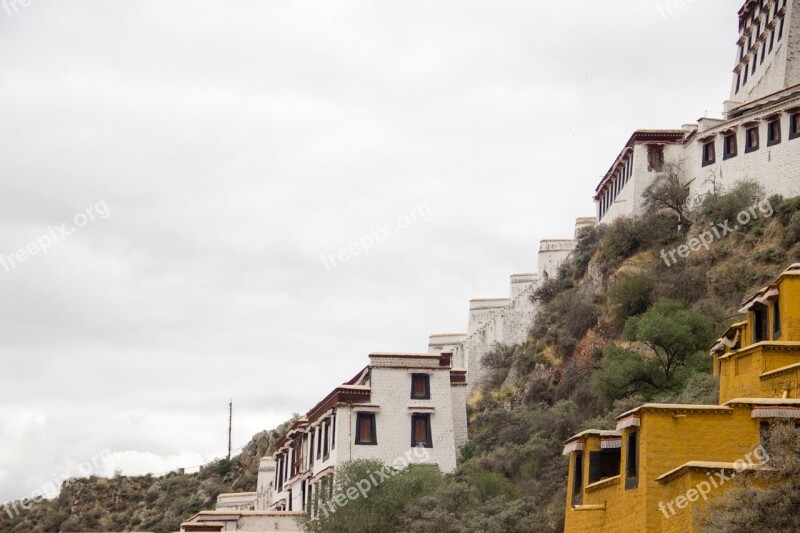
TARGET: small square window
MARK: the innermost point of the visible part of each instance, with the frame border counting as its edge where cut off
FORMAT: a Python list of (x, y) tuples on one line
[(421, 430), (709, 153), (730, 146), (365, 429), (604, 464), (774, 132), (751, 140), (420, 387)]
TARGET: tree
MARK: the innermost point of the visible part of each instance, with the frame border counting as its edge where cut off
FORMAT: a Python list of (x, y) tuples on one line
[(370, 497), (668, 192), (672, 332)]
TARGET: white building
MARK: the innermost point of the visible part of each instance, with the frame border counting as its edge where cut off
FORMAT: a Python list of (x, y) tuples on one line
[(401, 409), (756, 139)]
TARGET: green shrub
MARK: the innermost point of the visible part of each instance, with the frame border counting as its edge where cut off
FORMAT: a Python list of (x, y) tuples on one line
[(791, 231), (724, 205), (622, 239), (587, 242), (490, 485), (633, 294)]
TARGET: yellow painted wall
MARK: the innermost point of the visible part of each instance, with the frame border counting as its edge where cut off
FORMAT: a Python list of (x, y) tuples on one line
[(622, 507), (789, 302), (740, 374), (665, 443)]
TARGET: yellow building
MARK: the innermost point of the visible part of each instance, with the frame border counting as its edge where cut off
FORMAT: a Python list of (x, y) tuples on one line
[(663, 462)]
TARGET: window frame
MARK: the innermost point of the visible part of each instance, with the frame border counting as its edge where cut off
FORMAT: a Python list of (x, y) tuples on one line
[(730, 154), (776, 140), (709, 158), (599, 462), (373, 429), (426, 395), (311, 455), (326, 446), (748, 147), (794, 126), (426, 417), (760, 323), (776, 320), (577, 479), (333, 431), (632, 461)]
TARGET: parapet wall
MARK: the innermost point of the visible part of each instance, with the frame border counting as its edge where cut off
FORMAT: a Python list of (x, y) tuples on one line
[(504, 320), (552, 253)]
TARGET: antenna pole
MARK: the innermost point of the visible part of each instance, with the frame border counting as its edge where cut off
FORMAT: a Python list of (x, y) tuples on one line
[(230, 427)]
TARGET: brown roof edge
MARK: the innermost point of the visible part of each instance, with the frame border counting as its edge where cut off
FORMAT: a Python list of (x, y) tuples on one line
[(667, 136)]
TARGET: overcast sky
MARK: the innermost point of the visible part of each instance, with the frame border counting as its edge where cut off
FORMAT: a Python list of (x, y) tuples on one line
[(204, 156)]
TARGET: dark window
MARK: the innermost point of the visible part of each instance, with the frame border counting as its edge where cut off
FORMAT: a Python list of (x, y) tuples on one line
[(729, 146), (297, 457), (319, 442), (333, 433), (780, 31), (709, 154), (420, 387), (632, 461), (604, 464), (755, 62), (760, 323), (745, 75), (303, 495), (280, 474), (751, 140), (763, 52), (655, 158), (738, 81), (577, 480), (365, 425), (771, 41), (776, 320), (794, 126), (421, 430), (325, 446), (774, 132), (289, 499), (311, 450)]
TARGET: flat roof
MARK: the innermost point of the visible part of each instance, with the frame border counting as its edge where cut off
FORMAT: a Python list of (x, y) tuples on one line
[(673, 407)]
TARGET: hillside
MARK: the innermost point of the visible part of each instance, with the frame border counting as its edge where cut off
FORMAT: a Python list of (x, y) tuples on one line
[(143, 503), (596, 349)]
